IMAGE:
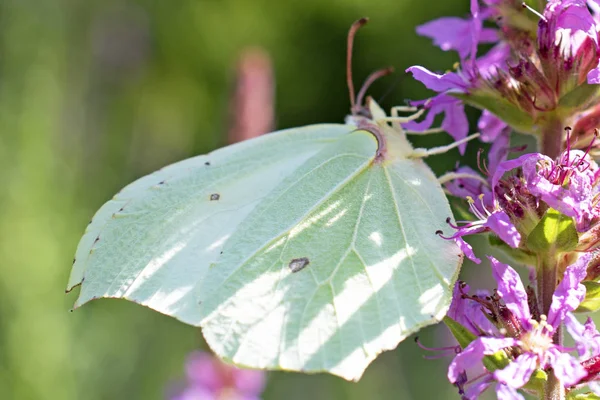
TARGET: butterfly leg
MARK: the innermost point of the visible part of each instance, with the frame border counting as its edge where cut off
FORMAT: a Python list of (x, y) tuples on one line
[(422, 153)]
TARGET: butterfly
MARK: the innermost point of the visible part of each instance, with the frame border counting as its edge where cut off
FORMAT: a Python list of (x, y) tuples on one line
[(308, 249)]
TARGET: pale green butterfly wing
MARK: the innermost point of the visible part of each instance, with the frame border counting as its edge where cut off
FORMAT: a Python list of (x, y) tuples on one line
[(213, 241), (369, 268), (153, 242)]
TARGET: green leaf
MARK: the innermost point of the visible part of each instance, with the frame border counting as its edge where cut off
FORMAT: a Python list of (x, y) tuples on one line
[(578, 97), (553, 234), (297, 250), (591, 302), (518, 119), (518, 255), (537, 382), (462, 335), (582, 396)]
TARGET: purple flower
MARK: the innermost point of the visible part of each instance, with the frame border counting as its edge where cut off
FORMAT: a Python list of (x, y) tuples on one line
[(497, 222), (567, 185), (533, 338), (209, 378), (468, 310), (586, 336), (452, 33), (491, 127), (455, 120), (568, 42)]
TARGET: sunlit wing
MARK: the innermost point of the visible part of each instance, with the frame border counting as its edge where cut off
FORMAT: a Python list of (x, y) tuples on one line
[(153, 242), (327, 273)]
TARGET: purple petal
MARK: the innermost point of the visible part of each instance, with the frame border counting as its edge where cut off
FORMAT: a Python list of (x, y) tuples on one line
[(500, 224), (566, 367), (490, 126), (435, 106), (473, 354), (478, 387), (586, 336), (489, 64), (452, 33), (570, 18), (194, 393), (569, 292), (499, 150), (508, 165), (249, 382), (463, 187), (455, 120), (504, 392), (593, 77), (467, 250), (572, 200), (467, 312), (436, 82), (517, 373), (456, 123), (511, 290), (203, 370), (594, 387)]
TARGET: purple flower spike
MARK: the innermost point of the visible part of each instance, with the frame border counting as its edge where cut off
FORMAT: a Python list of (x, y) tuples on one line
[(209, 378), (570, 292), (511, 290)]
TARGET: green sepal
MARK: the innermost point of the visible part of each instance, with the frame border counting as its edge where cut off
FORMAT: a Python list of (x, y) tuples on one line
[(519, 255), (464, 336), (511, 114), (591, 302), (582, 396), (553, 234), (578, 98), (537, 382)]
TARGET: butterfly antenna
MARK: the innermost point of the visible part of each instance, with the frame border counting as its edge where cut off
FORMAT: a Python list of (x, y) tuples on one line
[(369, 81), (351, 34), (390, 89)]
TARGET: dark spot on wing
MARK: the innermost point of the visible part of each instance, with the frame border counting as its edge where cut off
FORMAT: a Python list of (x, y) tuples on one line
[(161, 182), (298, 264), (97, 238), (215, 196), (207, 163), (73, 260)]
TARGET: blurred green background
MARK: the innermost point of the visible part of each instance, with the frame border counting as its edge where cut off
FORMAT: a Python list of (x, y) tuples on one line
[(94, 94)]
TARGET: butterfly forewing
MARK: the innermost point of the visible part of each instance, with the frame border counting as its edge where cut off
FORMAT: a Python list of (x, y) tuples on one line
[(153, 242)]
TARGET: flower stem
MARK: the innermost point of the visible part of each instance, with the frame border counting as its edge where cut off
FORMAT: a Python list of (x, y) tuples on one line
[(552, 138), (546, 285), (547, 269), (554, 389), (546, 282)]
